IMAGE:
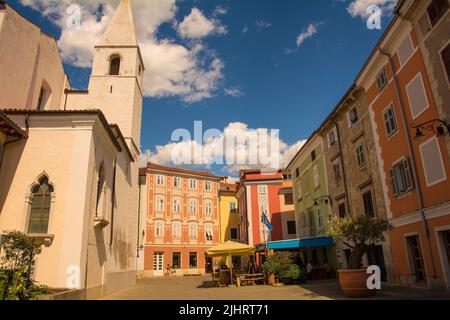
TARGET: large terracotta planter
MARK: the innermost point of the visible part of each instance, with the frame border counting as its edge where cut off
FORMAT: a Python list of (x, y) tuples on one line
[(271, 279), (354, 283)]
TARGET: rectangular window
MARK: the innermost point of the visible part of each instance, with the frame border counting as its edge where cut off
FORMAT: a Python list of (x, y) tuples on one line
[(320, 218), (342, 211), (313, 155), (232, 207), (401, 178), (288, 199), (417, 97), (432, 162), (297, 172), (262, 189), (208, 208), (159, 229), (193, 260), (193, 231), (176, 230), (291, 229), (390, 122), (209, 234), (316, 177), (160, 180), (416, 259), (368, 204), (177, 182), (337, 172), (234, 233), (360, 156), (208, 185), (382, 80), (405, 50), (307, 188), (445, 55), (352, 117), (436, 10), (192, 184), (192, 207), (176, 206), (332, 137), (176, 260), (159, 204)]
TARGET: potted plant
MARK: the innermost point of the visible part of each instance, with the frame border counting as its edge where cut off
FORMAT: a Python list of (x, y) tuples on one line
[(291, 275), (270, 267), (277, 265), (360, 235)]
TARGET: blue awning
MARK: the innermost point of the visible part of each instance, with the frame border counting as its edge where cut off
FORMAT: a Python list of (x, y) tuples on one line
[(302, 243)]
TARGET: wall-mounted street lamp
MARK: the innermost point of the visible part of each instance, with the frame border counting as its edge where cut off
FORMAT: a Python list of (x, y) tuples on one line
[(438, 126), (327, 199)]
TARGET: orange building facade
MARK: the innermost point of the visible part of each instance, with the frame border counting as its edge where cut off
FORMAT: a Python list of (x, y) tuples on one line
[(414, 162), (182, 221)]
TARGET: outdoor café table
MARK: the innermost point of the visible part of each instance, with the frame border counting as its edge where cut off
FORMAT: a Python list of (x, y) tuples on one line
[(249, 278)]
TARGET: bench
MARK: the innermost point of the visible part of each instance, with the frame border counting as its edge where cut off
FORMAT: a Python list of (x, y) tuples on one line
[(250, 279)]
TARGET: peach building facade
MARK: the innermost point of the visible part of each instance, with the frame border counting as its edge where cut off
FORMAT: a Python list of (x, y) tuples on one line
[(414, 164), (182, 212)]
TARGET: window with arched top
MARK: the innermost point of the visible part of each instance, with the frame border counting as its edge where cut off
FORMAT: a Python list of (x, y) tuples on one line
[(114, 65), (40, 204)]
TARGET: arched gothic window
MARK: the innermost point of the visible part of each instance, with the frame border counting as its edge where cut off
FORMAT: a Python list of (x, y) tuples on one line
[(114, 65), (41, 200)]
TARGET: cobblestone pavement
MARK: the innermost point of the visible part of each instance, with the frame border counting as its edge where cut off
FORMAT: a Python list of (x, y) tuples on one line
[(202, 288)]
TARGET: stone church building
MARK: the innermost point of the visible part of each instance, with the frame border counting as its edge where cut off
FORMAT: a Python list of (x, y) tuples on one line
[(68, 158)]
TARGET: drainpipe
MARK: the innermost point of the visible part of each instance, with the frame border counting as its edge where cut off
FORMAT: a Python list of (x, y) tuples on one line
[(413, 158), (139, 219), (347, 200)]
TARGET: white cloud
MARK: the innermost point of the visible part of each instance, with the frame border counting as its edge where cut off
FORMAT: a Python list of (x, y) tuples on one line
[(163, 154), (359, 7), (196, 26), (220, 10), (261, 25), (308, 32), (190, 71), (233, 92)]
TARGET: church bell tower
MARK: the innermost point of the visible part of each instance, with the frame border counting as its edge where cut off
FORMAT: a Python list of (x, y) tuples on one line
[(117, 75)]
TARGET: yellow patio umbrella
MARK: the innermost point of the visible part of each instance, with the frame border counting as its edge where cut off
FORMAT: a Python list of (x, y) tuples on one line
[(230, 249)]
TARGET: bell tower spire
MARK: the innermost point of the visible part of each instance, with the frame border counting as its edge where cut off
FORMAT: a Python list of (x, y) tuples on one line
[(121, 31)]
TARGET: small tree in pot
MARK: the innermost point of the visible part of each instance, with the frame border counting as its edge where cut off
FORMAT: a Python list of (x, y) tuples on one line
[(360, 235)]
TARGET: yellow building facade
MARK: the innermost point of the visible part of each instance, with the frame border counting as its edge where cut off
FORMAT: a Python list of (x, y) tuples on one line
[(228, 213)]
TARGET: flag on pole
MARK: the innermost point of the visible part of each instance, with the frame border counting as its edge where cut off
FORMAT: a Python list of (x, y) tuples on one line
[(265, 220)]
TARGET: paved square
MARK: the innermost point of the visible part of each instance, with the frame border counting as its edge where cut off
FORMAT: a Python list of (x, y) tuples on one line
[(202, 288)]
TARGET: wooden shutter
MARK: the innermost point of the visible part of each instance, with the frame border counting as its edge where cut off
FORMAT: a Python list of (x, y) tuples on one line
[(408, 175), (394, 182)]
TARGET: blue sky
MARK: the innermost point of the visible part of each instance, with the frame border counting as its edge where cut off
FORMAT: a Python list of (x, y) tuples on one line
[(255, 72)]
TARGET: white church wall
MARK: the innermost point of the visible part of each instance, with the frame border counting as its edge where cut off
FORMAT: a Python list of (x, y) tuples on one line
[(63, 154)]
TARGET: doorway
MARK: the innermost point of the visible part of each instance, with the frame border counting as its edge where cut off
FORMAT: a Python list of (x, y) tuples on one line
[(209, 267), (158, 263), (376, 257), (416, 259)]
